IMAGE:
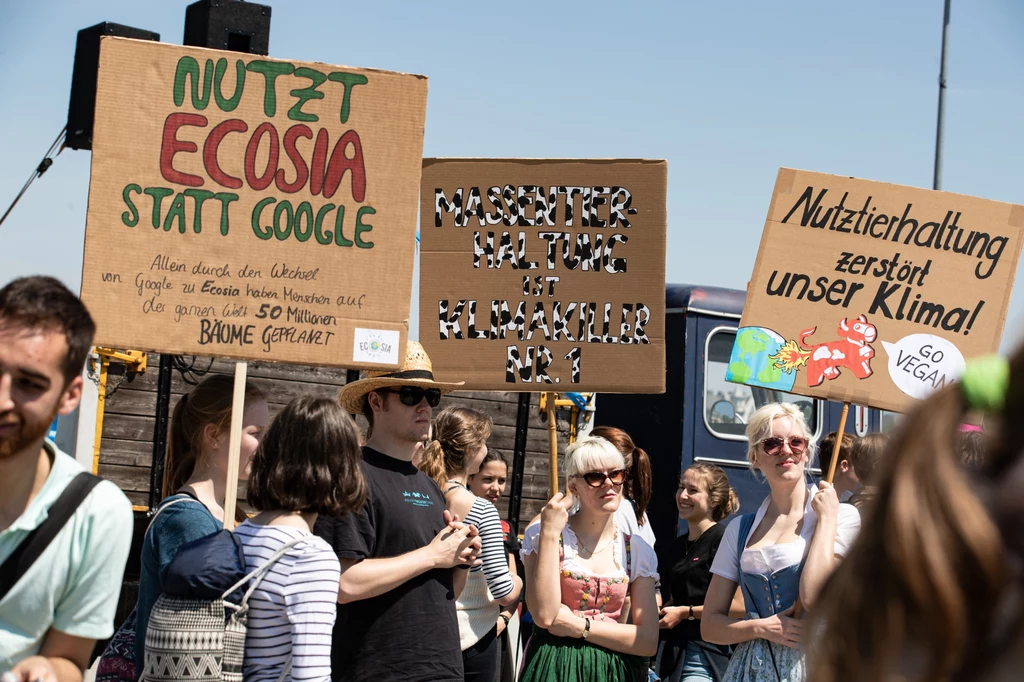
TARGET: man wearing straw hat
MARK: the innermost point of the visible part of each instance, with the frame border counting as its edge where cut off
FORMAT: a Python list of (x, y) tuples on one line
[(396, 613)]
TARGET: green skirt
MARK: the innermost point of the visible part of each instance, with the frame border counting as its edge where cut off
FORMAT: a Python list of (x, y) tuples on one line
[(565, 659)]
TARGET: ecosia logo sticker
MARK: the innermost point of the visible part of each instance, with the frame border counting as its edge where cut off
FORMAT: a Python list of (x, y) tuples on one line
[(375, 345), (921, 364)]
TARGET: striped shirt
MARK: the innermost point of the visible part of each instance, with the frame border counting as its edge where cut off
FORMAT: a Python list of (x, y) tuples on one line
[(293, 609), (485, 517)]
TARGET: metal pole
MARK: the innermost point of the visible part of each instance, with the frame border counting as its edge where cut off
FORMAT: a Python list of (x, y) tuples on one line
[(937, 177), (163, 404), (519, 461)]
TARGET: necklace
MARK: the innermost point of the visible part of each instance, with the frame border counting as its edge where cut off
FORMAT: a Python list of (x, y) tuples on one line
[(597, 548)]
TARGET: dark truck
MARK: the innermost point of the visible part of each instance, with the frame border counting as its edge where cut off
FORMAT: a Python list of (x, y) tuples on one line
[(701, 417)]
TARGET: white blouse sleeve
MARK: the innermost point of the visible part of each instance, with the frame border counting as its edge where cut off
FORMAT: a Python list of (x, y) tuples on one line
[(847, 527), (643, 560), (726, 562), (530, 537)]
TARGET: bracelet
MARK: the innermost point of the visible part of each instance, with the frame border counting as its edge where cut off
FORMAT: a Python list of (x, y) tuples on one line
[(691, 615), (504, 618), (586, 628)]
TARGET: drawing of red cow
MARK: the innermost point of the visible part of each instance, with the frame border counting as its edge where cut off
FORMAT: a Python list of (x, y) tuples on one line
[(852, 352), (824, 360)]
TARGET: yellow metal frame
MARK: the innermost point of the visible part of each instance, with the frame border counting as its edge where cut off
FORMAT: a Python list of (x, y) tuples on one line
[(135, 361)]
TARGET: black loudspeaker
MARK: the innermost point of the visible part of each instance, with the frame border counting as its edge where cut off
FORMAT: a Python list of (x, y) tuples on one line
[(82, 106), (228, 25)]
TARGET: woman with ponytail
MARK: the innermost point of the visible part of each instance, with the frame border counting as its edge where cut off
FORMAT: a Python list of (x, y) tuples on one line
[(457, 450), (932, 588), (195, 473), (704, 498), (631, 517)]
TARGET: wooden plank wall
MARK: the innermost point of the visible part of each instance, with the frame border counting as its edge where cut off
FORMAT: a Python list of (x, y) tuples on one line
[(126, 447)]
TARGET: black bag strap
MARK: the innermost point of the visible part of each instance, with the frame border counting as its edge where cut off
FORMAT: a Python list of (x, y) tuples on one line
[(36, 542)]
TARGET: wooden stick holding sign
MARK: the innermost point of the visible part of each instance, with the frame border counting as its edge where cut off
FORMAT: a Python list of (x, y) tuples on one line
[(798, 609), (552, 445), (838, 444), (234, 445)]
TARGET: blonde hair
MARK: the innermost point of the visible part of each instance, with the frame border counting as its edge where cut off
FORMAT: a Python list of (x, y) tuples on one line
[(760, 427), (590, 454), (458, 433)]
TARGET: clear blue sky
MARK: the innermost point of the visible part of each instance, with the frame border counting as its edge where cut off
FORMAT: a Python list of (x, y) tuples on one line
[(726, 91)]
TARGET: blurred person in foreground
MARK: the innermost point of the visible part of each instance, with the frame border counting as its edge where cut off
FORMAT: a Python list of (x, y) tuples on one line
[(932, 589)]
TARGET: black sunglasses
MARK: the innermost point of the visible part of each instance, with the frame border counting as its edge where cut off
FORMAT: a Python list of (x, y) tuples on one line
[(773, 446), (595, 479), (412, 395)]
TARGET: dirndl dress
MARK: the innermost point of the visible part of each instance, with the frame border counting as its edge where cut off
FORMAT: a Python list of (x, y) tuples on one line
[(549, 658), (761, 660)]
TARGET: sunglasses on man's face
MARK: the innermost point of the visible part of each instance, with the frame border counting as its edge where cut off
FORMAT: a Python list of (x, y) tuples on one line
[(595, 479), (773, 445), (412, 395)]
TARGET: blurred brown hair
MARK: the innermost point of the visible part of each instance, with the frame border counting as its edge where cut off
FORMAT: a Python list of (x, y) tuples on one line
[(925, 584), (640, 483), (866, 454), (722, 499), (458, 432)]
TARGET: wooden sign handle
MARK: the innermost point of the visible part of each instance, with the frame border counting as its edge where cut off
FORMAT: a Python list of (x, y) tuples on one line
[(234, 445), (838, 444), (552, 445), (836, 447)]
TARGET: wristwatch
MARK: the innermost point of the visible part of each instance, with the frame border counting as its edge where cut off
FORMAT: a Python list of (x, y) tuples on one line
[(586, 628), (690, 617), (504, 618)]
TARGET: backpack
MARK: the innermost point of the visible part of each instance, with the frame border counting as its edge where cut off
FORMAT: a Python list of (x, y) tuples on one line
[(197, 628), (117, 663)]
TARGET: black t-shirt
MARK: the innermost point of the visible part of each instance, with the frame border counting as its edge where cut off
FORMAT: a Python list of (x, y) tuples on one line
[(410, 633), (691, 574)]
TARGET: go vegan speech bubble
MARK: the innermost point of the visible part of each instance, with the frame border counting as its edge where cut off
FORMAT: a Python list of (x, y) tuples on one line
[(921, 364)]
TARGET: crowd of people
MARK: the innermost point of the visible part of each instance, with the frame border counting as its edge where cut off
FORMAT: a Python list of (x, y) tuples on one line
[(384, 556)]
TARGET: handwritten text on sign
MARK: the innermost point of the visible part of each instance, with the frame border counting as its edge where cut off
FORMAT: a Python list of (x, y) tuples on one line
[(548, 284), (246, 206), (874, 293)]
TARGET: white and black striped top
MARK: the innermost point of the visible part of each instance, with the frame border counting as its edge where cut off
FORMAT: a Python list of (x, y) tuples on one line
[(485, 517), (293, 609)]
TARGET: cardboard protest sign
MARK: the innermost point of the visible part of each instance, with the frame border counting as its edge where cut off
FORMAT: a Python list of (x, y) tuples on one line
[(544, 275), (874, 293), (251, 207)]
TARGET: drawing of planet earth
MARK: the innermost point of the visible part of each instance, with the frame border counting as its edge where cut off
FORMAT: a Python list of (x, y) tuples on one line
[(750, 362)]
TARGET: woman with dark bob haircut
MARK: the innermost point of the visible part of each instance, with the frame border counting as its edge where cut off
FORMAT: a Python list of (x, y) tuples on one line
[(308, 464)]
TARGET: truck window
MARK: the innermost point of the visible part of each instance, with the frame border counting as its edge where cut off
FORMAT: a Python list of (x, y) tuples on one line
[(727, 406)]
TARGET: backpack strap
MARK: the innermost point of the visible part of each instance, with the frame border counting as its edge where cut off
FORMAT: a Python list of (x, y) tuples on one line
[(257, 574), (170, 502), (36, 542)]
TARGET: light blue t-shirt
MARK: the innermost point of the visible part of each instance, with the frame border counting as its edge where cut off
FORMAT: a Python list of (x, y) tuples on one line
[(73, 587), (176, 525)]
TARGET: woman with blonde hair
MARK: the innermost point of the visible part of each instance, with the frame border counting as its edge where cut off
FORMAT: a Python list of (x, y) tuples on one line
[(458, 447), (932, 588), (783, 552), (580, 568)]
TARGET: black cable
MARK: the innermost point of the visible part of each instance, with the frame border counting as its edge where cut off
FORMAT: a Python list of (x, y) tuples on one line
[(44, 165), (188, 370)]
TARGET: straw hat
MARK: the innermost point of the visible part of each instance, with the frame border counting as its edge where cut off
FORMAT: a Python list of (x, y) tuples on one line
[(416, 370)]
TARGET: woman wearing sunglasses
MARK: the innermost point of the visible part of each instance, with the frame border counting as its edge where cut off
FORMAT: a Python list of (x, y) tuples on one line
[(579, 569), (458, 448), (783, 552)]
